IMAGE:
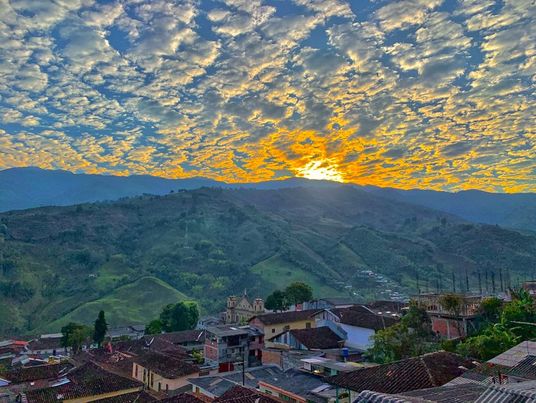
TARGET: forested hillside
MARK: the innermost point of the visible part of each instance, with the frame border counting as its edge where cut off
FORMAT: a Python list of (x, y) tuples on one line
[(134, 255)]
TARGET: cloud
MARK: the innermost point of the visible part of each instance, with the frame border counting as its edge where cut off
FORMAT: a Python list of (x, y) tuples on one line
[(410, 93)]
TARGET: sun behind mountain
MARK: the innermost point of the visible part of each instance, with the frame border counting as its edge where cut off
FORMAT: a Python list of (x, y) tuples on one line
[(321, 170)]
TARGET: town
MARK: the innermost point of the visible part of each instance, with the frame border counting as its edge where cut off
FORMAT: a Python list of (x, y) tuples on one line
[(322, 350)]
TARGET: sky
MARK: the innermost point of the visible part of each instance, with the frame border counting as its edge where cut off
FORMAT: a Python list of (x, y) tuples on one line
[(431, 94)]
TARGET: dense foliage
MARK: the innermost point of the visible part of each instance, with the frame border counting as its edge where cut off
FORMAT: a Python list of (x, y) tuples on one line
[(411, 337), (183, 315), (506, 326), (63, 264), (295, 293), (75, 335)]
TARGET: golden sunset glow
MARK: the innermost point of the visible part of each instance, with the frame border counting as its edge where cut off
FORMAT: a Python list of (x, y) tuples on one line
[(320, 170), (406, 94)]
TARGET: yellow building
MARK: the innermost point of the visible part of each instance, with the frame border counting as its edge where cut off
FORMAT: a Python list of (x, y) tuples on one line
[(161, 372), (278, 322)]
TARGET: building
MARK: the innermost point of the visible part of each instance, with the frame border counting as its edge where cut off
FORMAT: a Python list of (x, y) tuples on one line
[(278, 322), (327, 367), (329, 303), (240, 394), (229, 346), (315, 338), (240, 310), (427, 371), (358, 324), (291, 385), (130, 332), (451, 323), (161, 372), (187, 339), (86, 383), (35, 377), (48, 345)]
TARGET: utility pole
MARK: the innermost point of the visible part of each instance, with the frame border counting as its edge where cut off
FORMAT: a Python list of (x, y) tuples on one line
[(479, 282)]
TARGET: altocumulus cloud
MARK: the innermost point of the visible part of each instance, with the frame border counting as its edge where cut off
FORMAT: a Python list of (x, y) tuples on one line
[(410, 93)]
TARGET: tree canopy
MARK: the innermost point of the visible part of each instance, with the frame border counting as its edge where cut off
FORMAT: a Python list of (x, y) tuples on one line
[(74, 335), (295, 293), (100, 329), (183, 315)]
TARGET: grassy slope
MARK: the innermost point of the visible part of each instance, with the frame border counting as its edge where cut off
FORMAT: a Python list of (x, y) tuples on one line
[(137, 302), (210, 243), (277, 273)]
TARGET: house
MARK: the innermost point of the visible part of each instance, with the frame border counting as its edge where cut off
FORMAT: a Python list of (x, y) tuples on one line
[(290, 385), (227, 346), (451, 324), (326, 367), (307, 339), (294, 386), (329, 303), (187, 339), (358, 323), (130, 332), (211, 387), (278, 322), (240, 309), (161, 372), (86, 383), (427, 371), (240, 394), (12, 347), (48, 345)]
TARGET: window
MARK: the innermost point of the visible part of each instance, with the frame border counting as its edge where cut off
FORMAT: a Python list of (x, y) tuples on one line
[(308, 325), (287, 327), (159, 386), (135, 370), (273, 330), (167, 388)]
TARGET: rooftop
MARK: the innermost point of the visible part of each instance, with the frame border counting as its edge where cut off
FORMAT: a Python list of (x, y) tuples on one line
[(285, 317), (186, 336), (316, 338), (427, 371), (166, 366), (34, 373), (361, 316), (86, 380), (231, 330), (512, 357), (239, 394)]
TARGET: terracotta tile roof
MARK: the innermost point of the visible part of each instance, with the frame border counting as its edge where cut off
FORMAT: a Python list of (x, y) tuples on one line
[(185, 336), (182, 398), (166, 366), (37, 372), (362, 316), (316, 338), (48, 343), (427, 371), (138, 397), (240, 394), (285, 317), (86, 380)]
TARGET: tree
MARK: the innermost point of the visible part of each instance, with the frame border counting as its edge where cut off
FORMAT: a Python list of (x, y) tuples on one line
[(74, 335), (154, 327), (276, 301), (100, 329), (298, 293), (411, 337), (493, 341), (490, 309), (180, 316)]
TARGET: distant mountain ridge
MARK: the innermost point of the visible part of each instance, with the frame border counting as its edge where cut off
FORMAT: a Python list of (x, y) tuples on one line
[(131, 256), (22, 188)]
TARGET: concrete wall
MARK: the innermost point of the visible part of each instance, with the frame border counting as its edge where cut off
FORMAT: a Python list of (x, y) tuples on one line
[(357, 337)]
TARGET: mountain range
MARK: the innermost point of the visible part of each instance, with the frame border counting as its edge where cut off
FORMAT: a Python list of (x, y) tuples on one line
[(22, 188), (133, 255)]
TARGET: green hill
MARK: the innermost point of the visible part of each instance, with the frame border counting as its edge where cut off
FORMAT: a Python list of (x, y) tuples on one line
[(63, 263), (136, 303)]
